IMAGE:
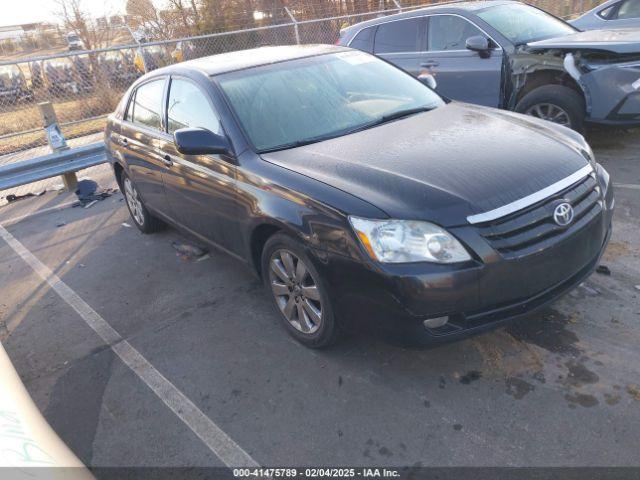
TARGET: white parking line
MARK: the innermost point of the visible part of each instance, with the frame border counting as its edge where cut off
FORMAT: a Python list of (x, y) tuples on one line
[(627, 185), (213, 436)]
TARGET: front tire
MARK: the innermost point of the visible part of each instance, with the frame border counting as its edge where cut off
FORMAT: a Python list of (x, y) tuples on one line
[(298, 292), (555, 103), (141, 217)]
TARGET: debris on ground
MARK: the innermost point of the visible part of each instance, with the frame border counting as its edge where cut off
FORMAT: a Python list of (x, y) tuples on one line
[(604, 270), (634, 391), (190, 252), (86, 188), (88, 194), (592, 292), (12, 197), (125, 224)]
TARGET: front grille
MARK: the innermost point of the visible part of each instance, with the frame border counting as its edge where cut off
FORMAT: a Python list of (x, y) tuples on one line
[(528, 230)]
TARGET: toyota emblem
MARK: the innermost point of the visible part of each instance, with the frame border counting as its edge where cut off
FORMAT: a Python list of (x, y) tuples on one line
[(563, 214)]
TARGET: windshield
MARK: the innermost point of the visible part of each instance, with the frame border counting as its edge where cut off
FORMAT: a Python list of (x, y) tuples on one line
[(523, 24), (316, 98)]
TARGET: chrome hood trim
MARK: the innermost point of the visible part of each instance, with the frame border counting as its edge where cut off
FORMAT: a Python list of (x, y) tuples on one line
[(530, 199)]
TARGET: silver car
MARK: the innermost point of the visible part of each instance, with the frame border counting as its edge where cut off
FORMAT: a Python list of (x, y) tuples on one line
[(611, 14)]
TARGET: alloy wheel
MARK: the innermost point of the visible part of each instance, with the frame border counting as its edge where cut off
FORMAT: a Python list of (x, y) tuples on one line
[(550, 112), (296, 291), (133, 200)]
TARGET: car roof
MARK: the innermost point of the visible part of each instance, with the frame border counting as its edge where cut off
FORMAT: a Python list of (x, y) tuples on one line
[(447, 7), (255, 57)]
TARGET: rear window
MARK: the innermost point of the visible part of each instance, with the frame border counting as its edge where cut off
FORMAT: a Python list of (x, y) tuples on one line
[(398, 36)]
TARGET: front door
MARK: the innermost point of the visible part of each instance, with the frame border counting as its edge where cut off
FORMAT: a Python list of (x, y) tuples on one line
[(399, 42), (461, 74), (200, 189), (141, 134)]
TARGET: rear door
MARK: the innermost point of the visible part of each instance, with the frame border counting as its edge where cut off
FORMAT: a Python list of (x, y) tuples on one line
[(461, 74), (398, 42), (200, 188), (141, 136)]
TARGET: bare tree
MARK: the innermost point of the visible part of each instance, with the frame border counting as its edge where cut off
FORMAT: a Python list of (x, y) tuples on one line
[(77, 20), (150, 18)]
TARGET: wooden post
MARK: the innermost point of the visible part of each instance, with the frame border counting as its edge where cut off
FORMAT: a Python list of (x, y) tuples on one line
[(56, 141)]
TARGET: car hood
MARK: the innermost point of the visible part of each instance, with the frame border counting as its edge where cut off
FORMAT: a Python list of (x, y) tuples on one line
[(618, 41), (442, 165)]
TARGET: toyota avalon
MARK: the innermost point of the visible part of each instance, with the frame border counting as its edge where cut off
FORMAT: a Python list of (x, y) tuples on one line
[(360, 197)]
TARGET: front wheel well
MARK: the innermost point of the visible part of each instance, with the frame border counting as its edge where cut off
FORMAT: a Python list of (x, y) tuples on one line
[(547, 77), (259, 238)]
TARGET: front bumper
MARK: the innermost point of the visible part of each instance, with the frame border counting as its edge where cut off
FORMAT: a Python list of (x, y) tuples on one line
[(613, 95), (476, 296)]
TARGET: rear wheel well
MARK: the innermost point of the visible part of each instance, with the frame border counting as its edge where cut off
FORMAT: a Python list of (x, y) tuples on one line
[(259, 238), (547, 77)]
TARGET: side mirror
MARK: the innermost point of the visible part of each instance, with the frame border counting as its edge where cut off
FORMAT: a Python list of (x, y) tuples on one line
[(479, 44), (429, 80), (200, 141)]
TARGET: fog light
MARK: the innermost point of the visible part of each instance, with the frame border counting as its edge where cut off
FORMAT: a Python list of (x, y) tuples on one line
[(436, 322)]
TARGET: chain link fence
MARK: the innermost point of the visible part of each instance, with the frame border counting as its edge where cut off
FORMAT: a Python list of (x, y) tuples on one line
[(85, 86)]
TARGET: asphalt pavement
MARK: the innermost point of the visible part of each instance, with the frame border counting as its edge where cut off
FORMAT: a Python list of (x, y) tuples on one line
[(138, 356)]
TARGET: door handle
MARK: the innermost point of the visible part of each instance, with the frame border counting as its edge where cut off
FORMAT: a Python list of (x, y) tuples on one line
[(430, 63), (168, 162)]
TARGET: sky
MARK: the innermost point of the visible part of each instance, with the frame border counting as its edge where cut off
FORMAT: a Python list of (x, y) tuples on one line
[(27, 11)]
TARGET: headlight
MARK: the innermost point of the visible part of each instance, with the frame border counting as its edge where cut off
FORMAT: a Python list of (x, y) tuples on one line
[(587, 152), (405, 241)]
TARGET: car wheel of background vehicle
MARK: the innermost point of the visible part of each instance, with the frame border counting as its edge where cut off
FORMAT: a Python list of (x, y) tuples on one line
[(298, 292), (556, 104), (145, 222)]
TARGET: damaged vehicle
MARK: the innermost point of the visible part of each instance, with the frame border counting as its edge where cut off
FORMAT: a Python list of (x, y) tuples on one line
[(513, 56), (362, 199)]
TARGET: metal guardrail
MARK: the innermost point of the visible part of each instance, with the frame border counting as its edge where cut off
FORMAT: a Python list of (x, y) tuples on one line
[(52, 165)]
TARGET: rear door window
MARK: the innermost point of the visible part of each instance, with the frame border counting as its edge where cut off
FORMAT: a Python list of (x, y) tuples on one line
[(147, 104), (398, 36), (364, 40), (450, 32)]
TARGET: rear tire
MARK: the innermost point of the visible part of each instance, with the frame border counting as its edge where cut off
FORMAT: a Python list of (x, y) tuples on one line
[(298, 292), (145, 221), (555, 103)]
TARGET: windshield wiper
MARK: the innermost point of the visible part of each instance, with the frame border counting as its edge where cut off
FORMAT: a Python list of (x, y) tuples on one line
[(320, 138), (391, 116), (299, 143), (403, 113)]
